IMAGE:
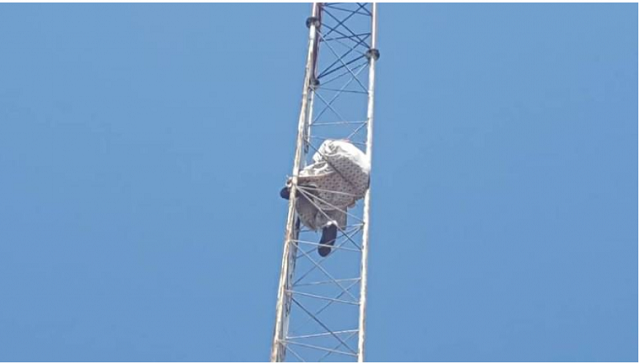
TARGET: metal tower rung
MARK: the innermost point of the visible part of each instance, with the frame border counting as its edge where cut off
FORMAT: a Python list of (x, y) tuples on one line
[(334, 248), (321, 348), (322, 334), (328, 282), (322, 297)]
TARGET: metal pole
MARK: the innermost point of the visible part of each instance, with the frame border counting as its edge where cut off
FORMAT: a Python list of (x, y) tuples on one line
[(367, 198), (278, 349)]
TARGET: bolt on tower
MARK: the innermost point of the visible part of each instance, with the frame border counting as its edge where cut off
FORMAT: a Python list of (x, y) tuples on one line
[(321, 306)]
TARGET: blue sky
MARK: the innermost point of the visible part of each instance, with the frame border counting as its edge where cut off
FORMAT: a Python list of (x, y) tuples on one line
[(142, 148)]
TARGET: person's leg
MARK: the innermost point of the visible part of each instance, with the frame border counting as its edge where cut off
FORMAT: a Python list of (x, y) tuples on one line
[(329, 235)]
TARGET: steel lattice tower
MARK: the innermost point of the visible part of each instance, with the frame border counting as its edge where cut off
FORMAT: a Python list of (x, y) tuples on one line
[(320, 312)]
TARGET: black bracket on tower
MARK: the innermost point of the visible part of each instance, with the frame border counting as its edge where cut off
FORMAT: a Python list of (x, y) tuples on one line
[(313, 20), (372, 53), (314, 83)]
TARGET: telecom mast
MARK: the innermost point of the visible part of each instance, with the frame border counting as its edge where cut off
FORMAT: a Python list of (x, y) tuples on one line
[(320, 312)]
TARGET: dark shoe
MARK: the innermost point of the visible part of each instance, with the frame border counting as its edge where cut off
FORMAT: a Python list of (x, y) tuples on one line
[(329, 235), (284, 193)]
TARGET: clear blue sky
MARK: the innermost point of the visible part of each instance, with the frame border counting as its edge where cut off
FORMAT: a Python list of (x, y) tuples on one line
[(142, 148)]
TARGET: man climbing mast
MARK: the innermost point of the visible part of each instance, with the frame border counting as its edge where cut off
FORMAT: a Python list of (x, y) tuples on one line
[(334, 182)]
